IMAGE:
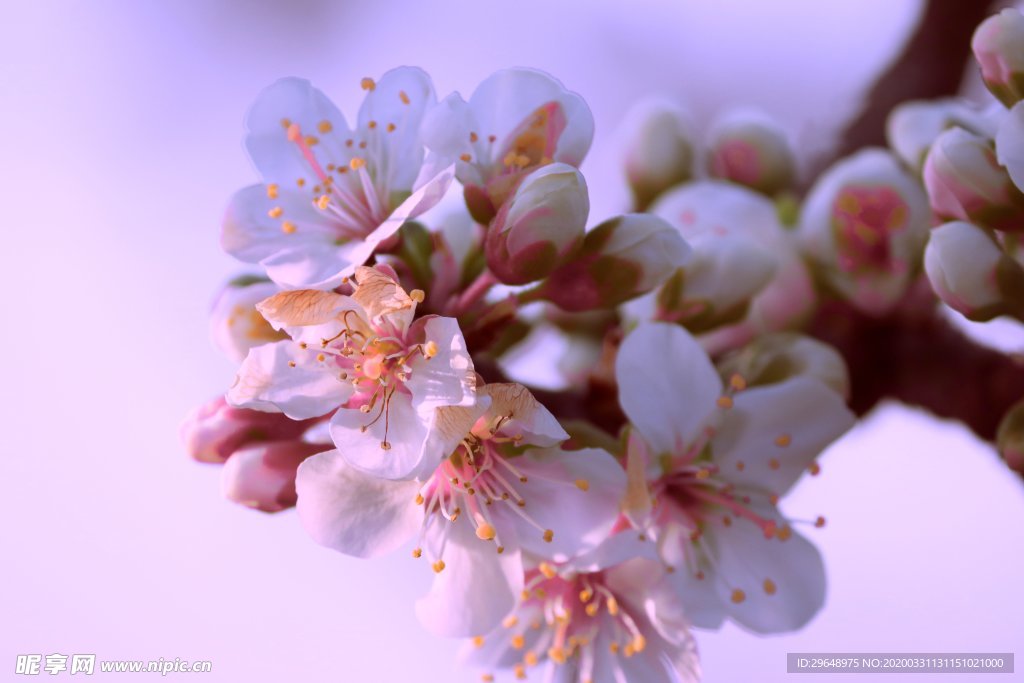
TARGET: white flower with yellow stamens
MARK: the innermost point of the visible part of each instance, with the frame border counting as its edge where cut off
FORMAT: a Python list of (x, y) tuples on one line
[(365, 354), (504, 490), (707, 466), (330, 194)]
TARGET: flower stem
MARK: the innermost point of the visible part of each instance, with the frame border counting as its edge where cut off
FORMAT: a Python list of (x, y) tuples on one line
[(474, 293)]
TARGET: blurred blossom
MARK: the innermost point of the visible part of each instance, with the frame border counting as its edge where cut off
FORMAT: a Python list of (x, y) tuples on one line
[(216, 430), (540, 226), (965, 181), (514, 122), (1010, 438), (751, 149), (971, 273), (235, 324), (776, 358), (659, 149), (744, 271), (1010, 150), (912, 127), (707, 463), (331, 194), (262, 477), (998, 46), (620, 259), (864, 225)]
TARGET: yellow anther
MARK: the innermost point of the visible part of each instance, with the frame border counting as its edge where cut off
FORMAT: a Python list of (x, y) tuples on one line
[(301, 182), (275, 212), (287, 227), (557, 655), (819, 522), (783, 440), (583, 484), (740, 465), (518, 641), (294, 133), (367, 84), (402, 96), (586, 594), (724, 402), (549, 535), (321, 357), (530, 658), (419, 499), (356, 163), (391, 128), (430, 349), (774, 464), (417, 553), (473, 137), (785, 533), (613, 605), (286, 123), (703, 473), (511, 620), (613, 647), (291, 364), (639, 643), (769, 587), (466, 157), (485, 532), (592, 609), (629, 650), (738, 596), (487, 678), (438, 566), (520, 671), (272, 191), (312, 140), (814, 469), (478, 641), (417, 295), (323, 202), (547, 570), (737, 382)]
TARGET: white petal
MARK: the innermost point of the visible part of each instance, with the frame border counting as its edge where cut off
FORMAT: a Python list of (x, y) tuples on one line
[(297, 101), (402, 427), (527, 415), (355, 514), (476, 589), (746, 559), (446, 129), (777, 431), (447, 379), (420, 201), (1010, 144), (266, 381), (667, 385), (580, 519)]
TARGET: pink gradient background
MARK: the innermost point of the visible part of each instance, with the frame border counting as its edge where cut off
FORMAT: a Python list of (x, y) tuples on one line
[(122, 129)]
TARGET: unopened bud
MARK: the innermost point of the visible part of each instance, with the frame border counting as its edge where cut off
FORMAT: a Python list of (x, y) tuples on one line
[(1010, 437), (912, 127), (752, 150), (620, 259), (659, 150), (540, 227), (263, 477), (965, 182), (235, 324), (864, 224), (998, 46), (215, 430), (971, 273), (1010, 148)]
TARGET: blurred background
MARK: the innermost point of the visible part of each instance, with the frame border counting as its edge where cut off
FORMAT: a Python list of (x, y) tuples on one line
[(121, 145)]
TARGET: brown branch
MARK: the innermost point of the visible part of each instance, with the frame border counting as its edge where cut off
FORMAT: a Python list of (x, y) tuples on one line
[(931, 65)]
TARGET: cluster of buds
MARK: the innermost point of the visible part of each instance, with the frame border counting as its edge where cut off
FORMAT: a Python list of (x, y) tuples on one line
[(582, 532)]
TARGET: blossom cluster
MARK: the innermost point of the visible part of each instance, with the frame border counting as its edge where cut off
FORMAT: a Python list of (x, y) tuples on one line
[(579, 535)]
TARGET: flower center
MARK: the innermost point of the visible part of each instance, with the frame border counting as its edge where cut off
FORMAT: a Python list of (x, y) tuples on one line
[(863, 219)]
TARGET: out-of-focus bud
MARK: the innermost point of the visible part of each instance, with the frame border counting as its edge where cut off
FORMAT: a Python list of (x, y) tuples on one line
[(620, 259), (744, 268), (1010, 145), (864, 225), (659, 150), (775, 358), (1010, 437), (215, 430), (235, 324), (998, 46), (912, 127), (972, 274), (750, 149), (263, 477), (540, 227), (965, 182)]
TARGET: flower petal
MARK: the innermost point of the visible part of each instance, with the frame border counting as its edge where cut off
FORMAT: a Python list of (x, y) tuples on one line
[(1010, 144), (477, 587), (263, 476), (283, 377), (527, 415), (776, 431), (667, 385), (353, 513), (447, 378)]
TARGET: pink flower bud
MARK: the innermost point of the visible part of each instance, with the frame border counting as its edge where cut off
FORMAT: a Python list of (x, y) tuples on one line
[(752, 150), (235, 324), (659, 150), (998, 46), (970, 272), (965, 182), (912, 127), (864, 224), (215, 430), (620, 259), (540, 227), (263, 476)]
